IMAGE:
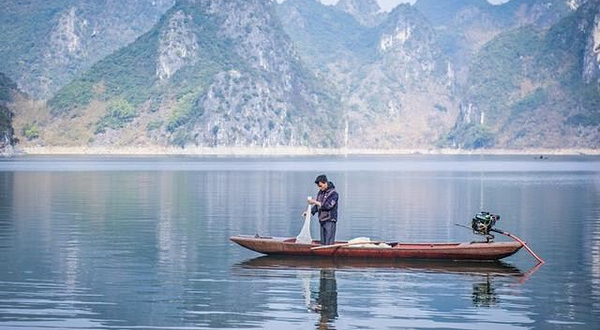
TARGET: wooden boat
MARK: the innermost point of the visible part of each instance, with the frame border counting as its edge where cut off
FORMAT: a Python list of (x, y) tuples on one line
[(483, 251)]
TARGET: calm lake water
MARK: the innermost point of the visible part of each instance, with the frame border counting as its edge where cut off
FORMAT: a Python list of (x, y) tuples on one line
[(142, 243)]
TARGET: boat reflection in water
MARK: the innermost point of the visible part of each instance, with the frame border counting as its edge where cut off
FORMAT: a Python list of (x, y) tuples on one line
[(325, 301), (497, 268)]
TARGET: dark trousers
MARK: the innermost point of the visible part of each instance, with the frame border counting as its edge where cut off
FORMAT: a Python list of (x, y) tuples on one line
[(327, 232)]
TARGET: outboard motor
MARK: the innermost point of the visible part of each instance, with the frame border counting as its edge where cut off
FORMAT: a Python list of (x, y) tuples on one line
[(483, 223)]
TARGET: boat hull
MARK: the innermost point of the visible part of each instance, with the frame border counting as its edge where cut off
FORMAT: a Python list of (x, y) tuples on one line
[(444, 251)]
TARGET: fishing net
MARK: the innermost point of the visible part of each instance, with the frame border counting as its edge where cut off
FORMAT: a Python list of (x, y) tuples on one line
[(304, 236)]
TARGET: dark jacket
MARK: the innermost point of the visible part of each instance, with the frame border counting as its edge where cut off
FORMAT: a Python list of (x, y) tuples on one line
[(329, 204)]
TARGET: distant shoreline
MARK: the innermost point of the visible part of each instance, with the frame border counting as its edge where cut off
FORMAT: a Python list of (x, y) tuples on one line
[(286, 151)]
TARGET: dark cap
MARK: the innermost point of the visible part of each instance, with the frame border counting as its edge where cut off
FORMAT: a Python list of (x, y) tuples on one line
[(321, 178)]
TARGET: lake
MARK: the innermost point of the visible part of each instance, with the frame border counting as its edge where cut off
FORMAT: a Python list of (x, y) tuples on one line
[(142, 243)]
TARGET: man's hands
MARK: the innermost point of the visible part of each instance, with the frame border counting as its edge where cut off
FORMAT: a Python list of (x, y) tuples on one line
[(311, 201)]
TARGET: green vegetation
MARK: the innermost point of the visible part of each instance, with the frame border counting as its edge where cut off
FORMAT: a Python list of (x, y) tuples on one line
[(31, 131), (32, 51), (327, 33), (440, 108), (6, 129), (20, 38), (128, 74), (184, 113), (127, 80), (499, 69), (513, 76), (444, 12), (472, 136), (189, 84), (589, 108), (154, 125), (5, 118), (7, 132), (531, 102), (7, 87), (119, 113), (563, 49), (76, 94), (520, 59)]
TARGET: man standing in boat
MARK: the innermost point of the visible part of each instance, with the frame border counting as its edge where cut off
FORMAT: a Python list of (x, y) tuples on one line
[(326, 205)]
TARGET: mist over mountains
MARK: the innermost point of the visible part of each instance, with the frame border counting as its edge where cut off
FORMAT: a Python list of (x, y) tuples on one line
[(451, 74)]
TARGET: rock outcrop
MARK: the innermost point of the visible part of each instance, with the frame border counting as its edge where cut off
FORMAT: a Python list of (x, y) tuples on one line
[(591, 60), (60, 40), (455, 73), (366, 12), (225, 74)]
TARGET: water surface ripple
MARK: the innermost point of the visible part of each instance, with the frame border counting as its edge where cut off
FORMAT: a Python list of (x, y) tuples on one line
[(142, 243)]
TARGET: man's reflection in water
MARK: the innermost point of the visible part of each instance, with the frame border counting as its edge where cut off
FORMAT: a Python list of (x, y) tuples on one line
[(484, 295), (327, 299)]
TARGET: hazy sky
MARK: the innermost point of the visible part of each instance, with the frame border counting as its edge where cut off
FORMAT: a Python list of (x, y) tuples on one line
[(389, 4)]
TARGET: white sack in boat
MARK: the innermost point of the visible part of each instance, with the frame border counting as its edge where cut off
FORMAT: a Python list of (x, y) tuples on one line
[(356, 243)]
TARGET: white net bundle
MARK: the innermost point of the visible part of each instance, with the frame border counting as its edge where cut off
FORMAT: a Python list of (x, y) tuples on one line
[(304, 236)]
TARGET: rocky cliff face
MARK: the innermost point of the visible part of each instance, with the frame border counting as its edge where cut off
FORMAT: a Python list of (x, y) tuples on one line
[(591, 59), (464, 26), (177, 45), (397, 87), (405, 98), (533, 88), (366, 12), (457, 73), (460, 76), (271, 99), (62, 38), (541, 13), (329, 39), (408, 44), (224, 74)]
